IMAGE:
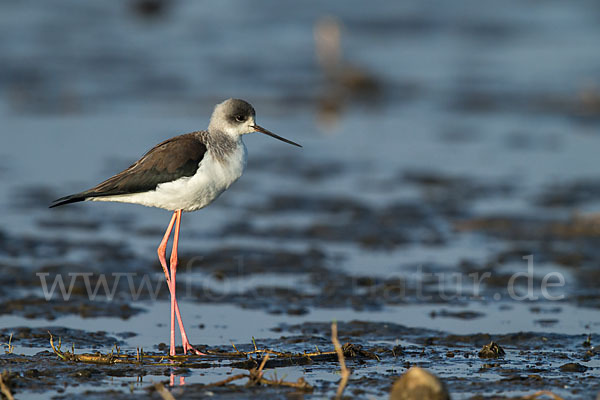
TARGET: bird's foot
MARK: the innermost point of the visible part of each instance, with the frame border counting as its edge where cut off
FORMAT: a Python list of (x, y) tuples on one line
[(188, 347)]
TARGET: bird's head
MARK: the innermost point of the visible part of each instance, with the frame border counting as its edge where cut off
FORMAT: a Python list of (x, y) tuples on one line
[(236, 117)]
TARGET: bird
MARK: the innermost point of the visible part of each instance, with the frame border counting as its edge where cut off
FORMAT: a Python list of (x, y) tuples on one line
[(183, 174), (345, 81)]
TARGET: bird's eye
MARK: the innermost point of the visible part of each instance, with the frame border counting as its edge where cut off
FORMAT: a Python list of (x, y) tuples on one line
[(240, 118)]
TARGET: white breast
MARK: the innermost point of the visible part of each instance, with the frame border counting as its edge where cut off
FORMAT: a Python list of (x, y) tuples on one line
[(192, 193)]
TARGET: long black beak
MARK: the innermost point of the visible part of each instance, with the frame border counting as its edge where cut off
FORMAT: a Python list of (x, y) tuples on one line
[(266, 132)]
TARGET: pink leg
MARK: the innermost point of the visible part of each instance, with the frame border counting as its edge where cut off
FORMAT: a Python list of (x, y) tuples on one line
[(162, 248), (162, 253), (172, 282), (172, 287)]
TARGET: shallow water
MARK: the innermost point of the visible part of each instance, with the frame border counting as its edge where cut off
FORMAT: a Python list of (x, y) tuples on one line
[(477, 147)]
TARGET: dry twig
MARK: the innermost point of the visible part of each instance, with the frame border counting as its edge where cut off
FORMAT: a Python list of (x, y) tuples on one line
[(88, 358), (230, 379), (543, 393), (255, 377), (9, 347), (163, 392), (345, 371), (5, 390), (262, 364)]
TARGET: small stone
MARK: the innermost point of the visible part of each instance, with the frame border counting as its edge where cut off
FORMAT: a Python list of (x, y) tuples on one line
[(418, 384), (491, 350), (397, 350), (297, 311), (588, 342), (573, 367), (351, 350)]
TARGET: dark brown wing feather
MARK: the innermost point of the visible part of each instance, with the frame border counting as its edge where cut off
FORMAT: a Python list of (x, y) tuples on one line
[(167, 161)]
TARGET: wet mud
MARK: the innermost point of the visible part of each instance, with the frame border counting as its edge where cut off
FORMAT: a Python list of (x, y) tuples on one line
[(525, 361), (513, 364)]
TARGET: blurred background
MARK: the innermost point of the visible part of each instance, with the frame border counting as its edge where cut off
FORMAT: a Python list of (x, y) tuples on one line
[(446, 136)]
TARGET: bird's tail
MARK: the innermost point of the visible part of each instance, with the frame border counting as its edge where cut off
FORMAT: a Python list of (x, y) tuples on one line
[(74, 198)]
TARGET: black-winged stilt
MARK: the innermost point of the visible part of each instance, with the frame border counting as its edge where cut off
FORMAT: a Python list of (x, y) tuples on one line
[(184, 173)]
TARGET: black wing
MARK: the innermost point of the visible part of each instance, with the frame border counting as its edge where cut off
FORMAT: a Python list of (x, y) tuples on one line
[(167, 161)]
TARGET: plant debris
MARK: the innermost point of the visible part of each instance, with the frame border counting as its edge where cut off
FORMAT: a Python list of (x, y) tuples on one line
[(491, 350)]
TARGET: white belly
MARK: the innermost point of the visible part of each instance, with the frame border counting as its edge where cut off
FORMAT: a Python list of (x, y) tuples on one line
[(192, 193)]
